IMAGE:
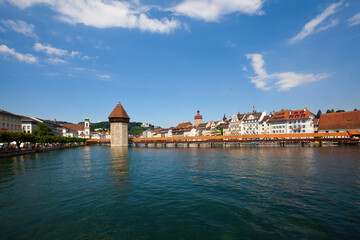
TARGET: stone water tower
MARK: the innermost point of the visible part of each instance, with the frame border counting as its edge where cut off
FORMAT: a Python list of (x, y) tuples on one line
[(119, 121)]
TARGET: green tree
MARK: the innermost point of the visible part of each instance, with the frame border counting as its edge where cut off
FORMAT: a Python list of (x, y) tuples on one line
[(355, 109), (340, 111), (42, 130), (318, 114)]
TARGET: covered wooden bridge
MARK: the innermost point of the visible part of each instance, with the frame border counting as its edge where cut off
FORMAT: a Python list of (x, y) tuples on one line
[(351, 137)]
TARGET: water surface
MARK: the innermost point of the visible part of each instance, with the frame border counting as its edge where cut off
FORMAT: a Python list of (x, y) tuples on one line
[(166, 193)]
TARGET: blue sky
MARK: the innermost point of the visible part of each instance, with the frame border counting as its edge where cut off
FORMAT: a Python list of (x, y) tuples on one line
[(164, 60)]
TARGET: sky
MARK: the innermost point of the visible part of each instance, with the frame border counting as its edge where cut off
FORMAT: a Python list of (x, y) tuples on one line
[(164, 60)]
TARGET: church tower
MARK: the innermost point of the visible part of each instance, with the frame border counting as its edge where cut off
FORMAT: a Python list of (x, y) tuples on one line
[(198, 118), (87, 127), (119, 121)]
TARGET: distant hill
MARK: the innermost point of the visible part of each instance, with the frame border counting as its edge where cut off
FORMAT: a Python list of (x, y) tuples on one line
[(134, 127), (60, 122)]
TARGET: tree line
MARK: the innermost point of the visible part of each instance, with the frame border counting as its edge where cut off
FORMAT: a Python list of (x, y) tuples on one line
[(42, 134)]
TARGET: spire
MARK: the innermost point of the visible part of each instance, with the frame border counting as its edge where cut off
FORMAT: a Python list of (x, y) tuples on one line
[(119, 114), (224, 118)]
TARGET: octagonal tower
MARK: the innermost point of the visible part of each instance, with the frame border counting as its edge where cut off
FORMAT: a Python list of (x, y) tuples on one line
[(119, 121)]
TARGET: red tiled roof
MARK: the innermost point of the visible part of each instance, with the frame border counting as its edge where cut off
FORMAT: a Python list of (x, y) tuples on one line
[(198, 116), (157, 130), (184, 125), (119, 114), (75, 127), (285, 115), (340, 120)]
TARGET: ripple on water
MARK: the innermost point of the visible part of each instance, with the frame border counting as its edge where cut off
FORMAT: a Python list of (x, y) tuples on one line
[(137, 193)]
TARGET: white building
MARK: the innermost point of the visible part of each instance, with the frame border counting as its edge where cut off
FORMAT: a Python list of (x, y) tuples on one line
[(28, 124), (250, 123), (288, 121), (235, 124), (77, 130)]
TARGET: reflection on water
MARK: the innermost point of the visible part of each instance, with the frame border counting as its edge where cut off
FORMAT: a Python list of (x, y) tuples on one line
[(119, 171), (100, 192)]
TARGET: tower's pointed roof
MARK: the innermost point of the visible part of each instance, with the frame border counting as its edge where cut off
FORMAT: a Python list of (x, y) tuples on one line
[(119, 114)]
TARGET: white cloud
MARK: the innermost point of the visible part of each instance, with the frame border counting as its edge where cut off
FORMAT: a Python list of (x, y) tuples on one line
[(20, 27), (49, 50), (28, 58), (354, 20), (56, 60), (314, 25), (104, 77), (105, 14), (27, 3), (212, 10), (282, 81), (2, 30)]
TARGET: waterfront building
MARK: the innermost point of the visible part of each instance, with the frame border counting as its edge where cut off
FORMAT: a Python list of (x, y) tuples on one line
[(166, 132), (226, 129), (97, 135), (107, 135), (339, 122), (28, 124), (264, 125), (119, 121), (190, 132), (288, 121), (198, 118), (77, 130), (210, 129), (235, 124), (181, 128), (250, 123), (148, 133), (157, 132), (201, 129), (316, 122), (10, 122)]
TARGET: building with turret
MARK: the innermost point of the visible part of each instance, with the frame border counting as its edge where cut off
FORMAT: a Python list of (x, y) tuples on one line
[(198, 118), (119, 121)]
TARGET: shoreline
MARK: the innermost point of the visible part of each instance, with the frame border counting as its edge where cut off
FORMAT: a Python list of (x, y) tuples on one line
[(35, 150)]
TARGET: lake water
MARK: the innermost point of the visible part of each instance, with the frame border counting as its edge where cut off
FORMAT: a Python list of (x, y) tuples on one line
[(100, 192)]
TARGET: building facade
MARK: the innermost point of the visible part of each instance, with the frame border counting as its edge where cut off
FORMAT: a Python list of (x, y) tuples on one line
[(339, 121), (288, 121), (10, 122)]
